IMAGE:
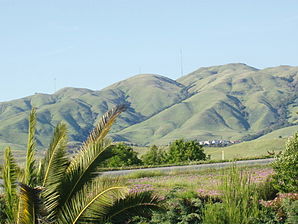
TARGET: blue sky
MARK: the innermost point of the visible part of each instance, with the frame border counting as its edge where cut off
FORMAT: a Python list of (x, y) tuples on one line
[(92, 44)]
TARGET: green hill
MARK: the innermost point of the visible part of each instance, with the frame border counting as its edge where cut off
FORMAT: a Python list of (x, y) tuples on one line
[(230, 101), (281, 133), (254, 148)]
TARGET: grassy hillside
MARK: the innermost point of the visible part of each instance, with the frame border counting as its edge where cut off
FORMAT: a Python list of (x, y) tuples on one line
[(230, 101), (221, 102), (253, 148), (80, 108), (282, 132)]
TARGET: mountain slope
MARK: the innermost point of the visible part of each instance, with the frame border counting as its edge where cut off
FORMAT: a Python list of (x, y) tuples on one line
[(80, 108), (228, 101)]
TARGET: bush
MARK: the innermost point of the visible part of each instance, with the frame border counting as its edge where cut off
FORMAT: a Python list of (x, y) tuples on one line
[(283, 209), (266, 190), (291, 209), (181, 210), (155, 156), (239, 201), (3, 215), (286, 167), (181, 151), (123, 156)]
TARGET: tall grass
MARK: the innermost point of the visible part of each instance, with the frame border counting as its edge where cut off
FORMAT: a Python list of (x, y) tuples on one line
[(239, 200)]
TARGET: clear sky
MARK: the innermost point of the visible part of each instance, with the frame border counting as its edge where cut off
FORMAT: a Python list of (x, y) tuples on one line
[(94, 43)]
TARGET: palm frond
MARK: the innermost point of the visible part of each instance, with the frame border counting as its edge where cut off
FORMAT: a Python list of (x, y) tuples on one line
[(93, 199), (53, 170), (9, 185), (29, 205), (103, 126), (134, 204), (83, 168), (30, 169), (94, 150)]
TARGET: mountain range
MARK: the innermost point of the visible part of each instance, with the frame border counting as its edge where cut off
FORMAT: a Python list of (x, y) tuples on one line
[(233, 101)]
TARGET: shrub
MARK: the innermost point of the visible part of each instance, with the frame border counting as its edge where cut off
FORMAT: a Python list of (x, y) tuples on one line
[(154, 156), (286, 167), (180, 210), (3, 215), (291, 208), (239, 201), (284, 207), (266, 189), (123, 156), (181, 151)]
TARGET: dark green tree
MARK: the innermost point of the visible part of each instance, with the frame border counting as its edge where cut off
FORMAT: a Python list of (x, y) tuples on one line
[(123, 156), (154, 156), (181, 151), (286, 167)]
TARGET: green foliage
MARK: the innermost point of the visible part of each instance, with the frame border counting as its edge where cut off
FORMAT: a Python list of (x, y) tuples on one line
[(155, 156), (291, 209), (179, 210), (123, 155), (188, 211), (267, 215), (286, 167), (9, 185), (239, 201), (3, 209), (30, 167), (52, 170), (140, 203), (282, 209), (181, 151), (266, 190), (29, 210), (71, 191)]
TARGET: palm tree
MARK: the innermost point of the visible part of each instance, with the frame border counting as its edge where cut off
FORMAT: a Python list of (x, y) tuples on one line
[(64, 190)]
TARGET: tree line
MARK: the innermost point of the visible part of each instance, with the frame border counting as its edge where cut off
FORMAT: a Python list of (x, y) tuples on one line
[(179, 151)]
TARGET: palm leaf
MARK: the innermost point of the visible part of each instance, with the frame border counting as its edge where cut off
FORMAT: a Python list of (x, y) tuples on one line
[(92, 201), (9, 184), (93, 152), (103, 126), (30, 169), (53, 170), (83, 168), (134, 204), (29, 205)]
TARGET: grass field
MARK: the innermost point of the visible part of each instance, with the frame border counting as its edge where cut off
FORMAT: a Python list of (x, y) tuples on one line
[(205, 182), (282, 132), (255, 148)]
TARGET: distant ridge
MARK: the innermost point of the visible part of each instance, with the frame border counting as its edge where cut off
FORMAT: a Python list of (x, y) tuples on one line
[(233, 101)]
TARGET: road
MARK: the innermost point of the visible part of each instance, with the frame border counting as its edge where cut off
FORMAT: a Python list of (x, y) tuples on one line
[(191, 167), (187, 168)]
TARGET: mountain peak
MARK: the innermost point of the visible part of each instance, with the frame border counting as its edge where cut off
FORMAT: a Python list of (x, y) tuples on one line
[(144, 80), (224, 101), (227, 69)]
